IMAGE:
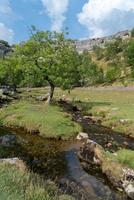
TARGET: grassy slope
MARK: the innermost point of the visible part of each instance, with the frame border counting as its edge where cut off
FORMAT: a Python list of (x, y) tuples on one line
[(125, 78), (16, 184), (50, 121)]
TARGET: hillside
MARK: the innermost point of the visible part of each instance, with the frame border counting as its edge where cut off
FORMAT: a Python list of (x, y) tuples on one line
[(111, 56)]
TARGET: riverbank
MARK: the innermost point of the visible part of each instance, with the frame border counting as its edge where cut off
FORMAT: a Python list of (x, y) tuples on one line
[(112, 106), (81, 110), (16, 184), (57, 161), (39, 118)]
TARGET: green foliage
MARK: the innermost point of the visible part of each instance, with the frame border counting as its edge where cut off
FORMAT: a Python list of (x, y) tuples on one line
[(10, 72), (113, 72), (98, 52), (90, 73), (129, 53), (113, 48), (48, 56), (132, 33)]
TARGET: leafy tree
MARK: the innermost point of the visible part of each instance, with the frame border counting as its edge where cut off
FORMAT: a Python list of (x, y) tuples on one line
[(50, 57)]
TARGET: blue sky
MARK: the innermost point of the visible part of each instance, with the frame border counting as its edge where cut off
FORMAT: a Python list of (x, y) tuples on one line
[(84, 18)]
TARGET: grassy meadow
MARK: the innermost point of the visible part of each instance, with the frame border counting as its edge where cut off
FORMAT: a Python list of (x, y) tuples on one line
[(114, 107)]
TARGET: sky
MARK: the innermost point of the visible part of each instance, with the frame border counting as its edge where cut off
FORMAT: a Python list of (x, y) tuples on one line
[(84, 18)]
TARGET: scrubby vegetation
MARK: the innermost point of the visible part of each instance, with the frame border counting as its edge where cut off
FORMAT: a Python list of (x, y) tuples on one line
[(16, 184), (116, 60)]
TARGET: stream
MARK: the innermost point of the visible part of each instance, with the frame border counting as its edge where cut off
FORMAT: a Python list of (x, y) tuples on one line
[(57, 160)]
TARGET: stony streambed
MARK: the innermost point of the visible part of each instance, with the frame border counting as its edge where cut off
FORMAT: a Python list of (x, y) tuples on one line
[(57, 160)]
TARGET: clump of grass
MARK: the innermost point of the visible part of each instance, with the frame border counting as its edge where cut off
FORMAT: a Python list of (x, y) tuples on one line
[(126, 157), (17, 184), (49, 121), (123, 156)]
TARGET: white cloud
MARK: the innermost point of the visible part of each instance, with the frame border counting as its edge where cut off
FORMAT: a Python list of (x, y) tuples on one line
[(6, 33), (56, 10), (5, 13), (5, 7), (103, 17)]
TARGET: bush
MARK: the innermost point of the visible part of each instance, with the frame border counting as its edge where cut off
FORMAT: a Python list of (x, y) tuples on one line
[(113, 73)]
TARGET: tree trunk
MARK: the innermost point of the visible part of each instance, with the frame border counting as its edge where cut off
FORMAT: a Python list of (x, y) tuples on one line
[(51, 93)]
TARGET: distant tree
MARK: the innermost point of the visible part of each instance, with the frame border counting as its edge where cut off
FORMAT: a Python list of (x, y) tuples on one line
[(132, 33), (90, 73), (129, 54), (113, 48), (4, 48), (10, 72), (98, 52), (113, 72)]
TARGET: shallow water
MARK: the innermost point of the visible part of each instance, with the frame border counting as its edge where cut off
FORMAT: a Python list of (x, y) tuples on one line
[(58, 160)]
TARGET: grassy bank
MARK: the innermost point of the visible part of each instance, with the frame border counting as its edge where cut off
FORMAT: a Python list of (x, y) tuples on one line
[(49, 121), (113, 106), (124, 157), (16, 184)]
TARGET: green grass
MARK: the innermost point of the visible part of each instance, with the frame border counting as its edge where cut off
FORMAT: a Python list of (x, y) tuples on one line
[(50, 121), (123, 156), (16, 184), (126, 157), (111, 105)]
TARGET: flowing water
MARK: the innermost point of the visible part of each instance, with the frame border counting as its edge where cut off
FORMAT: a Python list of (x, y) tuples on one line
[(58, 160)]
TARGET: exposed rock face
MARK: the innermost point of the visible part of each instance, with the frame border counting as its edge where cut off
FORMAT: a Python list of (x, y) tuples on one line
[(93, 154), (88, 44)]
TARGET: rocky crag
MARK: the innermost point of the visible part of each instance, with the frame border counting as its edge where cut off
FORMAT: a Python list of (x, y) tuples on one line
[(88, 44)]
